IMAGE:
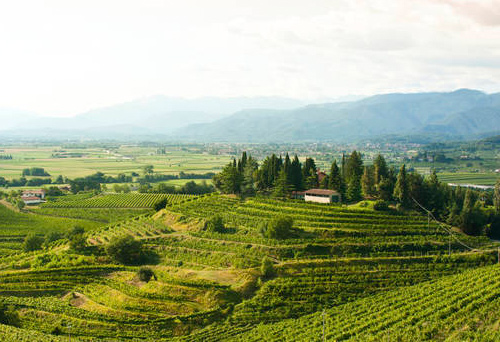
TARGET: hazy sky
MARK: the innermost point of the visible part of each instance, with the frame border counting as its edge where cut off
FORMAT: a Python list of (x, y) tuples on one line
[(61, 57)]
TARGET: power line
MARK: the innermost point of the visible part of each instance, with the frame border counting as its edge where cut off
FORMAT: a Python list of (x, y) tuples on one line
[(446, 229)]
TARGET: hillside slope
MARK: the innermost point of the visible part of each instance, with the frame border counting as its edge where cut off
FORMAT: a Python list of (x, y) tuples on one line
[(462, 307)]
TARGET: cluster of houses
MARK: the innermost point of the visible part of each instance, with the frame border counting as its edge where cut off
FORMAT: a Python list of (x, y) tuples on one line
[(33, 196)]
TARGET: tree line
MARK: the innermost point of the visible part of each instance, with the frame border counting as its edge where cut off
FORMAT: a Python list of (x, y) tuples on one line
[(475, 212)]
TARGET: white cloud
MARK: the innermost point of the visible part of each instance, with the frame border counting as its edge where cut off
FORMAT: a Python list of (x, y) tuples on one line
[(64, 57)]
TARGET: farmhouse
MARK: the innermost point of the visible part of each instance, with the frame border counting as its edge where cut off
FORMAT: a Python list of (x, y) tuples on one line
[(321, 196), (31, 200), (34, 193), (33, 196)]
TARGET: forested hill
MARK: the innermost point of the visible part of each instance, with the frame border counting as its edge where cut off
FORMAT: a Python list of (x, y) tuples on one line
[(459, 114)]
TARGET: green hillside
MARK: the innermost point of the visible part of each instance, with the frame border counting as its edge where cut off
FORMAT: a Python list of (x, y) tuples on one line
[(209, 285)]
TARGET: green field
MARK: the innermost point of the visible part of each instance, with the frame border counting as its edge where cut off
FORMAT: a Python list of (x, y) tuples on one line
[(470, 178), (122, 159)]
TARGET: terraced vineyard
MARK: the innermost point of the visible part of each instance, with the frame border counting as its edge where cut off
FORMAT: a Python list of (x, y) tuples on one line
[(14, 226), (462, 307), (378, 275), (130, 200)]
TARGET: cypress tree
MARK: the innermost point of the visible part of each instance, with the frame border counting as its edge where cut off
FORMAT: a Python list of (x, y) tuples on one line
[(354, 190), (335, 177), (496, 197), (380, 169), (367, 182), (282, 188), (296, 174), (401, 189)]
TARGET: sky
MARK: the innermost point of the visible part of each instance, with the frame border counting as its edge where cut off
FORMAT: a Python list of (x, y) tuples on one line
[(61, 58)]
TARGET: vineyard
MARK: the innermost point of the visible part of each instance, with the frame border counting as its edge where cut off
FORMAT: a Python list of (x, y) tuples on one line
[(130, 200), (378, 275), (469, 178)]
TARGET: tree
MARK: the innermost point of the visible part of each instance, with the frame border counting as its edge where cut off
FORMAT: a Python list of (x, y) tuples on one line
[(471, 217), (161, 204), (148, 169), (310, 173), (78, 243), (145, 274), (436, 195), (267, 268), (282, 189), (125, 249), (367, 182), (215, 224), (296, 174), (20, 204), (335, 178), (310, 178), (496, 197), (324, 182), (354, 190), (380, 169), (229, 180), (249, 177), (401, 191), (75, 231), (51, 237), (279, 227), (354, 167), (32, 242), (9, 316)]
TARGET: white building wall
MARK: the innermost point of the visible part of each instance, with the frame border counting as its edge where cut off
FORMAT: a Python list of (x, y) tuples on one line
[(317, 199)]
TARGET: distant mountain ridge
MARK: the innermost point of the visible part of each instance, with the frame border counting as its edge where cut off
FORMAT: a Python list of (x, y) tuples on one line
[(153, 115), (462, 113)]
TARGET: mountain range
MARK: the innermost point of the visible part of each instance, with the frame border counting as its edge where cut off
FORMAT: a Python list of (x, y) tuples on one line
[(462, 113), (459, 114)]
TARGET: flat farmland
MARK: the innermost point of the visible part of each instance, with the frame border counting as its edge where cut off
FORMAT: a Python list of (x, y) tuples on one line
[(126, 159), (469, 178)]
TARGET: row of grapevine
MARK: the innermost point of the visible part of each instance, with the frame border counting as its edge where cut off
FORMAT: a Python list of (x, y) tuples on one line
[(130, 200)]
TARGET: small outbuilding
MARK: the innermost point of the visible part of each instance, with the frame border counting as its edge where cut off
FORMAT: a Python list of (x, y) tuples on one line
[(321, 196)]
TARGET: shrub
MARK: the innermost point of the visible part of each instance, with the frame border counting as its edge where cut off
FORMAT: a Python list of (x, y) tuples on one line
[(145, 274), (51, 237), (278, 228), (32, 242), (78, 243), (215, 224), (125, 250), (381, 206), (267, 268), (9, 316), (161, 204), (77, 230)]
